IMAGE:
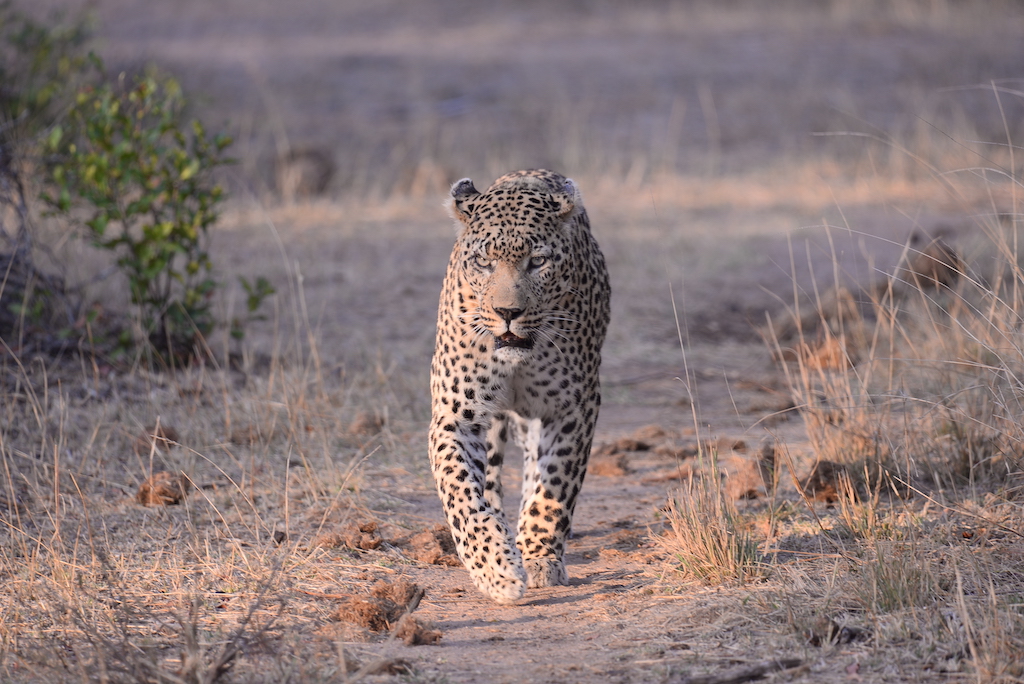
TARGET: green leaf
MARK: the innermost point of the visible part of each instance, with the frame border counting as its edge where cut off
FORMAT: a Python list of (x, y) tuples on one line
[(99, 223), (53, 141), (190, 170)]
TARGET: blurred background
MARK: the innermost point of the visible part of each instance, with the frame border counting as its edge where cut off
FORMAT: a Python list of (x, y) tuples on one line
[(732, 155), (396, 97)]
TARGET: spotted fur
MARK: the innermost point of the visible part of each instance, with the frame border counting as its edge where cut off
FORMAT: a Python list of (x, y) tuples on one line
[(522, 318)]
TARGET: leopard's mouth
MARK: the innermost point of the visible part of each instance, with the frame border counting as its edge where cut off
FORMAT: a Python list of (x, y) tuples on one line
[(508, 339)]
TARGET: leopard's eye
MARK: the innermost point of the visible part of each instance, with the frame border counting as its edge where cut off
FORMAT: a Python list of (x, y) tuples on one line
[(538, 261), (481, 261)]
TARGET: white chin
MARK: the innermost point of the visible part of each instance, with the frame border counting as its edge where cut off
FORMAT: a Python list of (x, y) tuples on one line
[(512, 353)]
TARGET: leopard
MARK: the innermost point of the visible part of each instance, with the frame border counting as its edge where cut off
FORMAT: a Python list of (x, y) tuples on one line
[(522, 318)]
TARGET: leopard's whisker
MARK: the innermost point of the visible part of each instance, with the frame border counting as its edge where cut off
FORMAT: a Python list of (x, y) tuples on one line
[(554, 344), (480, 332)]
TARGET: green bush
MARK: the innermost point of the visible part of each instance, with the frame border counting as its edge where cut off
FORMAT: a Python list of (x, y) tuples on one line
[(119, 162), (39, 65), (124, 160)]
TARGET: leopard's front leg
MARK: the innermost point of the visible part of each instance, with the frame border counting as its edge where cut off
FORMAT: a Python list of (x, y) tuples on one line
[(497, 442), (458, 456), (552, 479)]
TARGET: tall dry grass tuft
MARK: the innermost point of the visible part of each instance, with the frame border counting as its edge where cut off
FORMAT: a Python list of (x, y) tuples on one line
[(898, 577), (706, 540), (919, 376)]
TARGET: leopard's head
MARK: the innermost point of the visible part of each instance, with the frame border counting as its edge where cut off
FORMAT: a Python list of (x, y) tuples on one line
[(515, 254)]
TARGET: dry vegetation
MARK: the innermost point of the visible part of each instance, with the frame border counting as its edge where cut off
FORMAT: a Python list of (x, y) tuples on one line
[(879, 533)]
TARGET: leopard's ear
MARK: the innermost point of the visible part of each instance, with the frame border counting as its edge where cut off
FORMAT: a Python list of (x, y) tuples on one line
[(569, 200), (463, 204)]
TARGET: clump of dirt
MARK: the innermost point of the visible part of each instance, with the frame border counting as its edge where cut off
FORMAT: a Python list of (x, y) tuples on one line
[(416, 633), (935, 265), (651, 433), (433, 547), (676, 453), (655, 439), (160, 438), (401, 592), (366, 424), (826, 631), (361, 536), (642, 439), (389, 605), (604, 465), (163, 489), (750, 477), (610, 458), (372, 613), (745, 476), (627, 540)]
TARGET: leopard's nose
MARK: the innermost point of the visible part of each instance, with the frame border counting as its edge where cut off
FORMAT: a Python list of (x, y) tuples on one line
[(508, 314)]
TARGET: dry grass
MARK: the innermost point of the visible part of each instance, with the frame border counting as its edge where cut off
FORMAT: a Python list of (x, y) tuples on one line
[(920, 380), (102, 588), (915, 394), (706, 541)]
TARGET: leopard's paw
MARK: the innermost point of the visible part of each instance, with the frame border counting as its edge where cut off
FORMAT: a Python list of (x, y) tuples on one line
[(546, 572)]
